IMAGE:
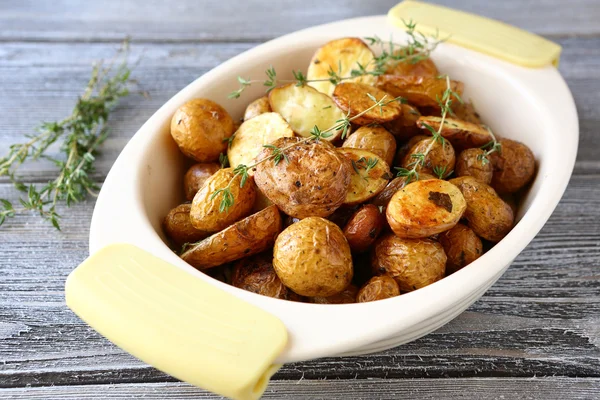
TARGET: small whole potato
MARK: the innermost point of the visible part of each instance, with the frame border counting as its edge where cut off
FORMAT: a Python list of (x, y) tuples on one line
[(375, 139), (363, 227), (200, 127), (257, 107), (195, 177), (405, 148), (312, 257), (441, 156), (378, 288), (461, 245), (413, 263), (487, 214), (178, 226), (404, 127), (470, 163), (346, 297), (208, 215), (514, 166)]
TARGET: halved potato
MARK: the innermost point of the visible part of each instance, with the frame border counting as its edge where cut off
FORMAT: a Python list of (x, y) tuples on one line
[(461, 134), (249, 236), (424, 208), (304, 107), (418, 90), (257, 107), (375, 139), (253, 134), (342, 56), (356, 98), (369, 175)]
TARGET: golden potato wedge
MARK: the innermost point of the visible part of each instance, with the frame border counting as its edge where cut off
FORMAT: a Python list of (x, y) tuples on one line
[(375, 139), (461, 134), (195, 177), (417, 90), (405, 126), (346, 297), (440, 158), (411, 66), (356, 98), (364, 226), (253, 134), (413, 263), (514, 166), (304, 107), (312, 257), (206, 213), (257, 107), (470, 163), (378, 288), (342, 56), (178, 226), (461, 245), (370, 174), (252, 235), (425, 208)]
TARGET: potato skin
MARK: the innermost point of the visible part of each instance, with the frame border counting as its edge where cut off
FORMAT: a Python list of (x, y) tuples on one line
[(424, 67), (413, 263), (384, 197), (353, 99), (487, 214), (313, 183), (421, 91), (441, 155), (257, 107), (199, 128), (252, 235), (206, 215), (364, 227), (461, 245), (312, 257), (404, 127), (375, 139), (378, 288), (365, 183), (406, 147), (514, 166), (346, 297), (461, 134), (195, 177), (469, 163), (178, 226)]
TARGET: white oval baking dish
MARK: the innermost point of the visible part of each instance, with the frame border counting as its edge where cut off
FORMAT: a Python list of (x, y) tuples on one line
[(530, 105)]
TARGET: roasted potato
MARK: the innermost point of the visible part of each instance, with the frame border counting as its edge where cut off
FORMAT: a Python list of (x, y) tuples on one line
[(375, 139), (342, 56), (346, 297), (461, 245), (370, 174), (461, 134), (313, 180), (304, 107), (413, 263), (440, 159), (487, 214), (208, 215), (514, 166), (342, 215), (421, 91), (405, 126), (470, 162), (200, 127), (410, 65), (465, 111), (312, 257), (178, 226), (357, 98), (195, 177), (378, 288), (384, 197), (424, 208), (257, 107), (363, 227), (405, 148), (252, 235), (256, 274), (253, 134)]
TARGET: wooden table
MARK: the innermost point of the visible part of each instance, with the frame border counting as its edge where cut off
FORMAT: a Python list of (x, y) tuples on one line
[(535, 334)]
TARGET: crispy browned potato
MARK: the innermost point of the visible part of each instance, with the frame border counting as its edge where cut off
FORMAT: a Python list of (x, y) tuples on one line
[(257, 107), (375, 139), (405, 148), (342, 56), (405, 127), (487, 214), (418, 90), (200, 128), (363, 228), (424, 208), (378, 288), (408, 66), (346, 297), (470, 162), (252, 235), (178, 226), (312, 257), (208, 215), (370, 174), (312, 181), (461, 134), (256, 274), (356, 98), (195, 177), (413, 263), (461, 245), (441, 158), (466, 112), (384, 197), (514, 166)]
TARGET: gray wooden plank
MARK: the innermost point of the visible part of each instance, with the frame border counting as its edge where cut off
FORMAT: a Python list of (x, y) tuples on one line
[(156, 20)]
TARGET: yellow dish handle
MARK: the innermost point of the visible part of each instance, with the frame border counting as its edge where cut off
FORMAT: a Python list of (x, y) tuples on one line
[(176, 322), (481, 34)]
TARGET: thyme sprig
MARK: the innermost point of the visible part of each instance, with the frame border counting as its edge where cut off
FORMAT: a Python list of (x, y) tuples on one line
[(367, 164), (82, 133), (489, 148)]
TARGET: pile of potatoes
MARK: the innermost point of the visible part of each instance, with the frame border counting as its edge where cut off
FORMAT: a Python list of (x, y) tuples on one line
[(329, 222)]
